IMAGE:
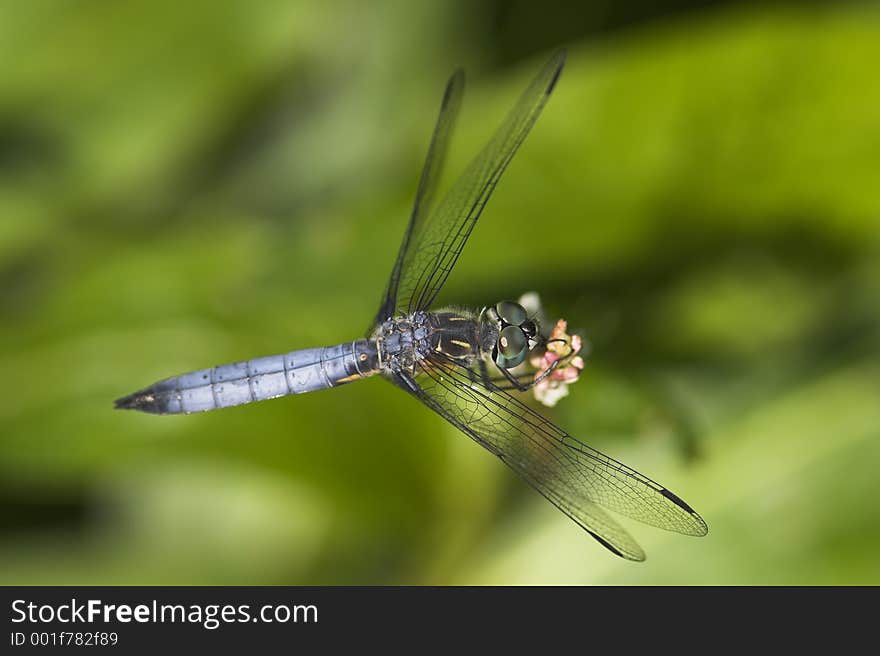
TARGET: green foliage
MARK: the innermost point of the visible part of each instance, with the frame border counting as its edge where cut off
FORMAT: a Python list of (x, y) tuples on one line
[(181, 188)]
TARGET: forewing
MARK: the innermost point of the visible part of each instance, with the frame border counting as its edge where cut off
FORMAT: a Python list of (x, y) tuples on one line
[(432, 247), (573, 476), (431, 172)]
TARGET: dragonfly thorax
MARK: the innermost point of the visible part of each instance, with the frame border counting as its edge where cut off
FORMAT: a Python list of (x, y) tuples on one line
[(446, 334), (402, 341)]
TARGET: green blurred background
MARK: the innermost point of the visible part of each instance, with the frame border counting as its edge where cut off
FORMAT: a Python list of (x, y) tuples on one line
[(186, 184)]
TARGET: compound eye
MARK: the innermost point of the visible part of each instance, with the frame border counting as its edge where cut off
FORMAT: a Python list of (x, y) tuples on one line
[(529, 328), (512, 347), (510, 312)]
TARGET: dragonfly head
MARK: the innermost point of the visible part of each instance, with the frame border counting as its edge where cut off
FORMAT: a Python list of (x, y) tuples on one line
[(517, 334)]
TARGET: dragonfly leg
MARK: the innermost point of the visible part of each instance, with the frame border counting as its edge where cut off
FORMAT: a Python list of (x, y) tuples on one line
[(508, 381), (520, 382)]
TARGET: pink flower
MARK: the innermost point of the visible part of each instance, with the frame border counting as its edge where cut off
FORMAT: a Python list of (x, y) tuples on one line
[(562, 350)]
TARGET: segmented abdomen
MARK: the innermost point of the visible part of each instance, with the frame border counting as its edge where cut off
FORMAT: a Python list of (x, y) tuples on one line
[(233, 384)]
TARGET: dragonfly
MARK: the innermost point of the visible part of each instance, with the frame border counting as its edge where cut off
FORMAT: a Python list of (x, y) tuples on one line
[(458, 362)]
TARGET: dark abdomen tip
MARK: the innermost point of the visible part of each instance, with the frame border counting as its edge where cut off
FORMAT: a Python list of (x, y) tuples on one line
[(144, 400)]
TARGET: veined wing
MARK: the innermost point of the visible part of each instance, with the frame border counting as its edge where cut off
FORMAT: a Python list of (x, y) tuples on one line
[(432, 244), (573, 476), (431, 172)]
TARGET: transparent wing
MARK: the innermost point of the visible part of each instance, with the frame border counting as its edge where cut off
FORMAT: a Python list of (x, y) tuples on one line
[(433, 243), (431, 172), (575, 477)]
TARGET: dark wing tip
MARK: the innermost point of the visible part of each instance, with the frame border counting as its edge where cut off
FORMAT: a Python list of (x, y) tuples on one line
[(700, 526), (638, 556), (559, 61), (456, 81)]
